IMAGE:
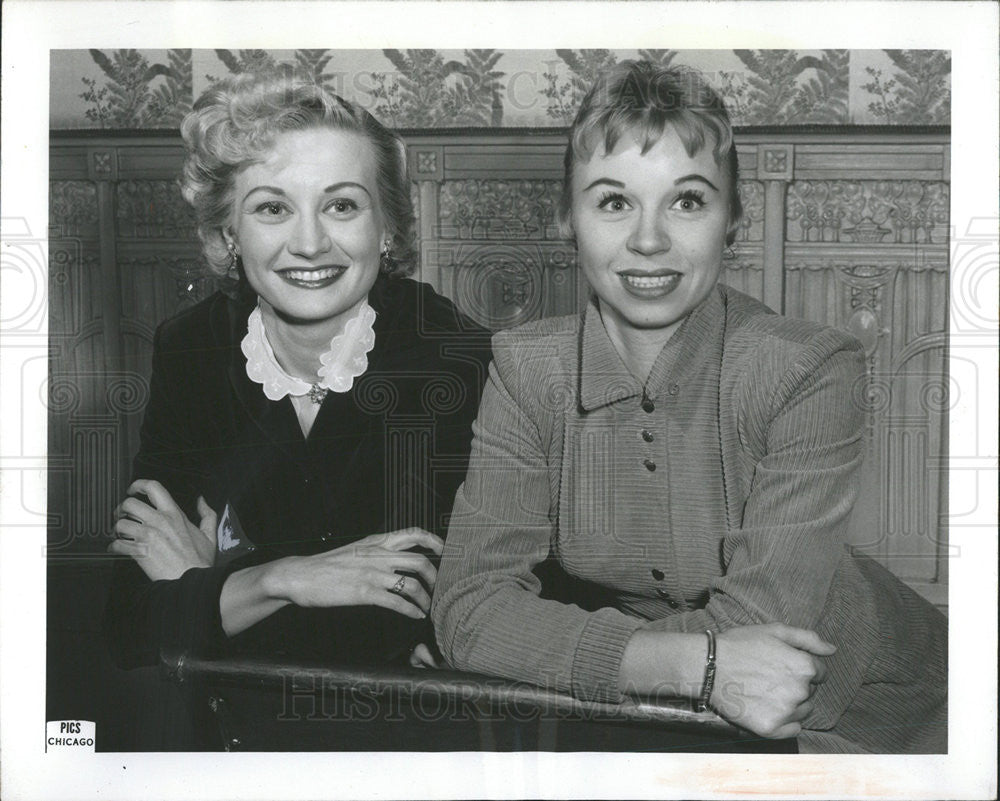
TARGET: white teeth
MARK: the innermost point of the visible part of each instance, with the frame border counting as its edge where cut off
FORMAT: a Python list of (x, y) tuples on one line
[(650, 281), (312, 275)]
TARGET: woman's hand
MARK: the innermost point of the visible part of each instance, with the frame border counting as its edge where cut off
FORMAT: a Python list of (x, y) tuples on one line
[(766, 675), (377, 571), (158, 535), (423, 657)]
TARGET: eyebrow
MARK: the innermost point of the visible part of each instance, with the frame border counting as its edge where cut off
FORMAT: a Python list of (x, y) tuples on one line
[(696, 177), (608, 181), (692, 177), (275, 190)]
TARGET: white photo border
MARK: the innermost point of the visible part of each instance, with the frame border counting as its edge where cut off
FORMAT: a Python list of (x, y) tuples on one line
[(32, 29)]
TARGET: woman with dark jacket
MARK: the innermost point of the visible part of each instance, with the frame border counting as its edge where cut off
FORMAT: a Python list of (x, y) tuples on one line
[(316, 420)]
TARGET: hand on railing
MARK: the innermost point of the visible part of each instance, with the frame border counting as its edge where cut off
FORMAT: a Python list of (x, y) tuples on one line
[(766, 676)]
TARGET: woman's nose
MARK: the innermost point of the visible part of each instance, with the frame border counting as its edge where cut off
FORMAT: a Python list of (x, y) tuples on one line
[(309, 238), (649, 235)]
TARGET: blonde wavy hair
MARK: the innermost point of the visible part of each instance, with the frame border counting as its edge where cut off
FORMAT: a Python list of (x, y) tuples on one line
[(235, 123)]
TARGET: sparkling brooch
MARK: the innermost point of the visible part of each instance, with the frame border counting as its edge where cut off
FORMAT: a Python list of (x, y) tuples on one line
[(317, 393)]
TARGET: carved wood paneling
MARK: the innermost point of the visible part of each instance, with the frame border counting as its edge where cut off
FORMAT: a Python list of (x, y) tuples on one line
[(506, 210), (868, 212), (73, 208), (153, 210), (534, 157), (848, 229), (73, 295), (745, 271), (852, 159), (155, 285), (752, 226), (895, 303), (502, 284), (96, 489)]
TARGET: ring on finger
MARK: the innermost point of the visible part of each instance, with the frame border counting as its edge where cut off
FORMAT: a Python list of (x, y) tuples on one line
[(397, 588)]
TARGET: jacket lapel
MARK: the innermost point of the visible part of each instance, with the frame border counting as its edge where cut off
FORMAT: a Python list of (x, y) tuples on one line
[(603, 376)]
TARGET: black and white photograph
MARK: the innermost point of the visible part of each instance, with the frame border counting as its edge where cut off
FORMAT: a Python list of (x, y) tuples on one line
[(498, 400)]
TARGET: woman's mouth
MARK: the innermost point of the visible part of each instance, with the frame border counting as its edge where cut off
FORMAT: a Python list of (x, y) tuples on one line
[(650, 286), (312, 278)]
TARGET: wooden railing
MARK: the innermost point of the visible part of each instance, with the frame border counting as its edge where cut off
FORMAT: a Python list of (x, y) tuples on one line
[(267, 704)]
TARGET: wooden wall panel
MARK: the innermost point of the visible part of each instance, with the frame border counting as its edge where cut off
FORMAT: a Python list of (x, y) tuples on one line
[(848, 228)]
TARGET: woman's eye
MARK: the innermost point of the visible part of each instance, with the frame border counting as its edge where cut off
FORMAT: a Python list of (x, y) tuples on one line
[(613, 202), (271, 209), (342, 206), (690, 201)]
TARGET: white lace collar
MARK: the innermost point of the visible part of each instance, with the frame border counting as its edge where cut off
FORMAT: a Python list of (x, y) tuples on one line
[(346, 359)]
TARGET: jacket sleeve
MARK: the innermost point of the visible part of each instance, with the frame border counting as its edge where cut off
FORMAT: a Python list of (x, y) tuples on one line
[(802, 427), (169, 450), (143, 616), (487, 611)]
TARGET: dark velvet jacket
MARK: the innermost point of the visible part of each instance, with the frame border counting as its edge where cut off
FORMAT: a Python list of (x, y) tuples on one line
[(388, 454)]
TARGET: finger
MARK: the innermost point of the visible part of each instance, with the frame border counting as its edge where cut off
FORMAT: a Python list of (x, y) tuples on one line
[(413, 537), (128, 548), (130, 530), (793, 729), (156, 492), (209, 522), (416, 563), (120, 512), (409, 587), (802, 711), (419, 595), (421, 657), (397, 603), (137, 510), (821, 671), (804, 639)]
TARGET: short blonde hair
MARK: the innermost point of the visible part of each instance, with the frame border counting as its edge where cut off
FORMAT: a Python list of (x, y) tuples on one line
[(642, 99), (235, 122)]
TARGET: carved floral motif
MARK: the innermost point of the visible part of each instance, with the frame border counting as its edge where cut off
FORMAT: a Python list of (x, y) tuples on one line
[(775, 160), (752, 226), (73, 207), (495, 209), (103, 164), (153, 210), (868, 212), (427, 161)]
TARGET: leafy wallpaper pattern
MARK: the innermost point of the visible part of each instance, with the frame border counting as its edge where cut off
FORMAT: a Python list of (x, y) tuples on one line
[(129, 88)]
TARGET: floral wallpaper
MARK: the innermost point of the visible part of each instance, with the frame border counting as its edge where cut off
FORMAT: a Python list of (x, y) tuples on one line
[(122, 89)]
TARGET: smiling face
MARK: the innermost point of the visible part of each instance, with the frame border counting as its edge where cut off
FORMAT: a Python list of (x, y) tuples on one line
[(308, 225), (650, 231)]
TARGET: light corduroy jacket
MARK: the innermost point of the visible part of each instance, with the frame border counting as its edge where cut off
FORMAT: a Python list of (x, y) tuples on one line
[(717, 495)]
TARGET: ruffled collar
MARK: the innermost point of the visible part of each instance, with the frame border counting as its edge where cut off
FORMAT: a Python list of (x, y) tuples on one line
[(345, 360)]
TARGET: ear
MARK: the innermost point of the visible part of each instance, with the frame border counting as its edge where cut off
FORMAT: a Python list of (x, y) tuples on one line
[(229, 239)]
